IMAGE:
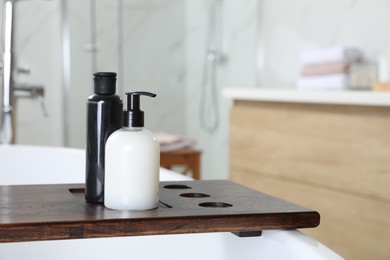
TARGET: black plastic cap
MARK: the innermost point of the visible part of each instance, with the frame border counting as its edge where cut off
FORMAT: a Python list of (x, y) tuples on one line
[(133, 119), (104, 83), (134, 116)]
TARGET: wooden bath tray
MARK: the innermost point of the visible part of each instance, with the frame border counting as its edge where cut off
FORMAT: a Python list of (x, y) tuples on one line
[(47, 212)]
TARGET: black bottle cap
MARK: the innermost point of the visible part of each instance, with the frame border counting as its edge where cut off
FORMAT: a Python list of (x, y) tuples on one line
[(134, 116), (104, 83)]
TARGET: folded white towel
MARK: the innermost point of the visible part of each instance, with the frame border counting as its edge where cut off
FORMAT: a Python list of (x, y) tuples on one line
[(323, 82), (332, 54), (325, 69), (169, 142)]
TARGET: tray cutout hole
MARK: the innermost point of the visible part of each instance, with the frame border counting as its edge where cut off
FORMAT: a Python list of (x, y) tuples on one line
[(194, 195), (215, 205), (177, 187)]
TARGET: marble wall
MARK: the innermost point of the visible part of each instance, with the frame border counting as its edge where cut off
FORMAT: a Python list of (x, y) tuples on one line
[(154, 60), (238, 31), (144, 41), (290, 28), (37, 47), (161, 46)]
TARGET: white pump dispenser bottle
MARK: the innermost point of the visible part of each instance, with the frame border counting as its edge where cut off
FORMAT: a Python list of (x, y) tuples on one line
[(132, 162)]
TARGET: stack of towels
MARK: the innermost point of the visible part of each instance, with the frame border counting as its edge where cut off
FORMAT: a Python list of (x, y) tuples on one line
[(327, 69), (169, 142)]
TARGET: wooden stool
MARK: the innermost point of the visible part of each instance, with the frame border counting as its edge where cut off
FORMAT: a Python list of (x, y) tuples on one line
[(188, 157)]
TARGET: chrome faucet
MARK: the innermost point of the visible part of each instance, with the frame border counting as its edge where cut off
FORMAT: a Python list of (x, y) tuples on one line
[(10, 91)]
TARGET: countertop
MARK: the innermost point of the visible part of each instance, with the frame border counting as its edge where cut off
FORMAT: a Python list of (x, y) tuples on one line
[(361, 98)]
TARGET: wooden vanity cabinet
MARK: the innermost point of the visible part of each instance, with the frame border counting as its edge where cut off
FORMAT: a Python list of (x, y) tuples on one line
[(331, 158)]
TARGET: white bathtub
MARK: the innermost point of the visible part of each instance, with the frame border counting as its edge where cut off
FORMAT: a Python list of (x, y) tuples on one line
[(33, 165)]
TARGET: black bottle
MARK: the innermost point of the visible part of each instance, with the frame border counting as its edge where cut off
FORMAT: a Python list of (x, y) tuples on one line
[(104, 116)]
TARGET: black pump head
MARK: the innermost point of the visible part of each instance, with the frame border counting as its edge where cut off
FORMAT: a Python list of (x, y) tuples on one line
[(104, 83), (134, 116)]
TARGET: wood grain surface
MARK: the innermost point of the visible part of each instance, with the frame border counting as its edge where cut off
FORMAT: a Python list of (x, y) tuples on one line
[(333, 158), (46, 212)]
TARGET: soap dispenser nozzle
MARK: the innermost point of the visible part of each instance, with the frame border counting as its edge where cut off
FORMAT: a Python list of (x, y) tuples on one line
[(134, 116)]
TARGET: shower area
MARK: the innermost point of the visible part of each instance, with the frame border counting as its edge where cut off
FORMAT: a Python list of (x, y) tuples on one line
[(185, 51), (143, 41)]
